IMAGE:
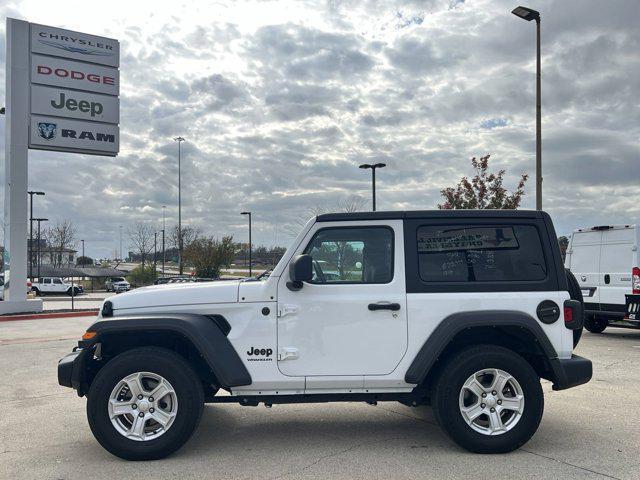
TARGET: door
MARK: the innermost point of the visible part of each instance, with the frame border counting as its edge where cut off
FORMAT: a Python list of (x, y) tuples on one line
[(58, 286), (616, 263), (47, 285), (351, 319), (585, 265)]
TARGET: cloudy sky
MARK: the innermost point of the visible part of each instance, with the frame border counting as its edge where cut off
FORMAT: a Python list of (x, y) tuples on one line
[(280, 101)]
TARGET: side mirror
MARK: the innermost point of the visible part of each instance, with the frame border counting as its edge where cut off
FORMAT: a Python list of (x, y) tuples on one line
[(300, 270)]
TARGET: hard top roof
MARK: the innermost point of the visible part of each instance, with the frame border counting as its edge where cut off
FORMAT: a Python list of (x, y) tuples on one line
[(409, 214)]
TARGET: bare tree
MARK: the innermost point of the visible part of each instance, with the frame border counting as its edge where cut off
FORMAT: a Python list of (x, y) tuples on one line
[(141, 238), (352, 203), (60, 238), (189, 235)]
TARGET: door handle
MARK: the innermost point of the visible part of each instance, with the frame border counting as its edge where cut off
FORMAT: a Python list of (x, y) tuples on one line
[(384, 306)]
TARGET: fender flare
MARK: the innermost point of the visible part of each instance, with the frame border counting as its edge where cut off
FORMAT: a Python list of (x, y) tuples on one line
[(207, 333), (457, 322)]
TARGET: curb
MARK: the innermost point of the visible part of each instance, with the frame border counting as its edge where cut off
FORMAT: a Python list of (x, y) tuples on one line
[(37, 316)]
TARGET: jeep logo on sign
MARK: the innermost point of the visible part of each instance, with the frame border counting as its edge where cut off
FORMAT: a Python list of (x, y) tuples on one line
[(47, 130), (94, 108)]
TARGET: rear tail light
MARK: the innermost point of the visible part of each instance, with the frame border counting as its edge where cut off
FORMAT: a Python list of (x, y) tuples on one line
[(573, 314), (568, 314), (635, 280)]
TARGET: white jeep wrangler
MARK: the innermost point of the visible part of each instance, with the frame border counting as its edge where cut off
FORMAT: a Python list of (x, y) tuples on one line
[(463, 310)]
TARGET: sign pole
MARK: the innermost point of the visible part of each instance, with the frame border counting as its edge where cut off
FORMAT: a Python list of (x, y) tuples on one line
[(16, 169)]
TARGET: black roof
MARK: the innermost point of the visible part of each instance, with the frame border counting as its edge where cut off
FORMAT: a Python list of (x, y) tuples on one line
[(399, 215)]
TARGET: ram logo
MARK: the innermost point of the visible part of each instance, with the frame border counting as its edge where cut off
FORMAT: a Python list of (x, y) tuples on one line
[(47, 130)]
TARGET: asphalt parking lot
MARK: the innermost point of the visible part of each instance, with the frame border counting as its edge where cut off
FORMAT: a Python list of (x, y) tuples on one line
[(592, 431)]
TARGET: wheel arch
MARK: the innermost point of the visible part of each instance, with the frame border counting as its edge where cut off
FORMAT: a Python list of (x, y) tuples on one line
[(514, 330), (200, 339)]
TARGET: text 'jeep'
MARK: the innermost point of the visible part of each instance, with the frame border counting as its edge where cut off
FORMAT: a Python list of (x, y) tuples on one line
[(463, 310)]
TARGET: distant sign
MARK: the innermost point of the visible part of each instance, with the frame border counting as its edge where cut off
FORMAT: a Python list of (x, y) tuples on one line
[(74, 87), (78, 75), (80, 46), (54, 133), (437, 240)]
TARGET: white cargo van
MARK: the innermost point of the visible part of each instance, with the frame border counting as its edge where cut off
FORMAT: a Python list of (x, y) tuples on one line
[(604, 260)]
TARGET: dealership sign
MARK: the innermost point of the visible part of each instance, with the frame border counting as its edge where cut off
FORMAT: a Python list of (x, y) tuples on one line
[(74, 87), (61, 94)]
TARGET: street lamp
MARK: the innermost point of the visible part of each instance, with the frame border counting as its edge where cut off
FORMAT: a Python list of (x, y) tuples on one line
[(373, 177), (121, 259), (179, 140), (250, 263), (39, 220), (31, 194), (164, 207), (83, 259), (528, 15)]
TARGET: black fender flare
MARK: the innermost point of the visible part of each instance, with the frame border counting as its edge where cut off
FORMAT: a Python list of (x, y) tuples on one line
[(457, 322), (207, 333)]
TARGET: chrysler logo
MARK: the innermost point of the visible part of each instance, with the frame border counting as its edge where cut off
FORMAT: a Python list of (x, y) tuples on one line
[(71, 48)]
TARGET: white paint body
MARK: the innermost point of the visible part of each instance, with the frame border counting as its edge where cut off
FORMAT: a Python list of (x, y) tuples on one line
[(602, 262), (323, 337)]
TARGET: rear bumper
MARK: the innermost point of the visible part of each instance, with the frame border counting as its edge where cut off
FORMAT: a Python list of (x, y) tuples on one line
[(571, 372), (71, 369)]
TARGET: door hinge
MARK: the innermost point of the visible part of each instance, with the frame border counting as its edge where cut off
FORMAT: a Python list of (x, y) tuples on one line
[(285, 310), (287, 353)]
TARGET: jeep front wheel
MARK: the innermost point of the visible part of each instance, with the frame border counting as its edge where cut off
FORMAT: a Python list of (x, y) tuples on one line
[(488, 399), (144, 404)]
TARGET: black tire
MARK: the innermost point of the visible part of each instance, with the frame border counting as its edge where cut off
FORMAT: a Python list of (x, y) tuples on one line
[(160, 361), (448, 385), (594, 324), (38, 293), (575, 294)]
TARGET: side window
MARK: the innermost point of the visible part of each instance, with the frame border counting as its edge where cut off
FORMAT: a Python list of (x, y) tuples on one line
[(57, 281), (47, 281), (480, 253), (352, 255)]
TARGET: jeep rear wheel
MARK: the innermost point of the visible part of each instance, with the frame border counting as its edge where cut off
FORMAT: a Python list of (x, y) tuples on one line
[(488, 399), (145, 404)]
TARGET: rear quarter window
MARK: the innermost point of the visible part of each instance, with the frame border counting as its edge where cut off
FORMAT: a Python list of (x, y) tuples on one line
[(482, 253)]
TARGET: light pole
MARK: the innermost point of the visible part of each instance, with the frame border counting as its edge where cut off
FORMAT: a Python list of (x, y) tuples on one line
[(39, 220), (121, 259), (31, 194), (373, 178), (82, 254), (155, 253), (250, 262), (528, 15), (164, 207), (179, 140)]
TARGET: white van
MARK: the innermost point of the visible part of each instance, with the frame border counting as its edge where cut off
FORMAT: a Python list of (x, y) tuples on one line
[(604, 260)]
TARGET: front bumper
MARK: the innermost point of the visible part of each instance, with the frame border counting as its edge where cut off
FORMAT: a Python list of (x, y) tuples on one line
[(71, 369), (571, 372)]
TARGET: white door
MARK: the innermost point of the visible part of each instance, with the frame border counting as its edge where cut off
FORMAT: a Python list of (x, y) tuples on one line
[(46, 285), (616, 263), (584, 263), (351, 319)]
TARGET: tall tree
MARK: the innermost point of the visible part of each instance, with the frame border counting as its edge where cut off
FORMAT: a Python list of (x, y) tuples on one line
[(484, 191), (189, 234), (61, 238), (208, 255), (141, 238)]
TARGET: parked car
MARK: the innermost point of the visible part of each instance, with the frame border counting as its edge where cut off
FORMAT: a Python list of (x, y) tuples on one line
[(54, 285), (462, 310), (606, 263), (117, 284)]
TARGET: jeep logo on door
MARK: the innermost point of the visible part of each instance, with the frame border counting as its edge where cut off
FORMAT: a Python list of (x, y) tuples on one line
[(260, 354)]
